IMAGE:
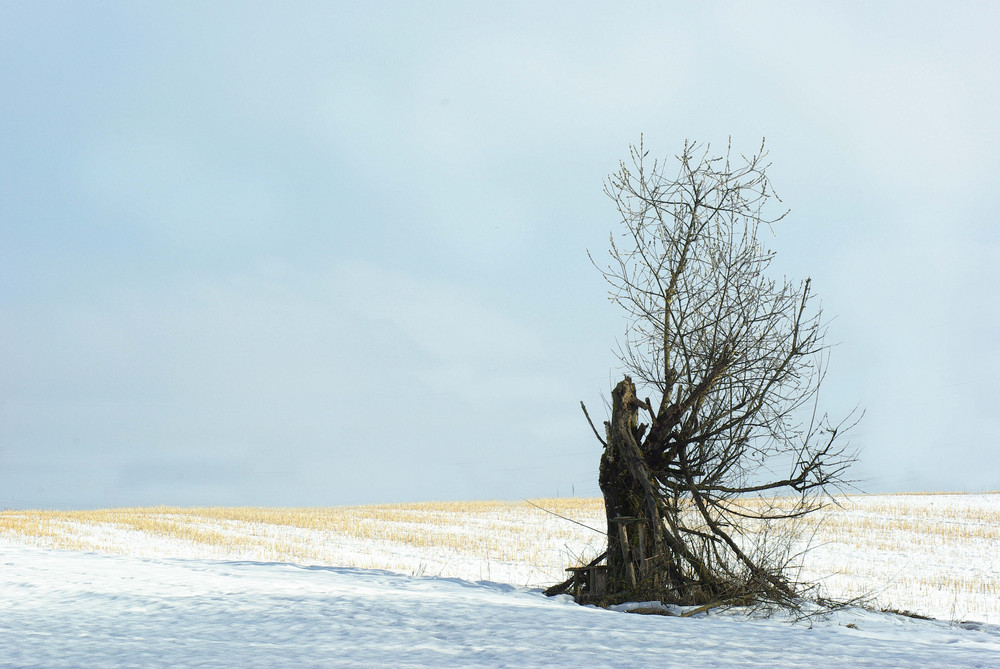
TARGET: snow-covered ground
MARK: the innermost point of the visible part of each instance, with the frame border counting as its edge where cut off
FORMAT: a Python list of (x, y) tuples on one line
[(456, 584), (936, 555), (74, 609)]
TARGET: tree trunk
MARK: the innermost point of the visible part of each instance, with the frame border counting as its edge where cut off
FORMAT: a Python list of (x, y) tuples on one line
[(634, 524)]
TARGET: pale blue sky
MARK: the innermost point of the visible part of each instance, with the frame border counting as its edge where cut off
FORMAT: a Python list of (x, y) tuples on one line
[(316, 253)]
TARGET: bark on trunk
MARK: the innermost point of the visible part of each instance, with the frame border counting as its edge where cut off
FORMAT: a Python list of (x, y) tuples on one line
[(630, 504)]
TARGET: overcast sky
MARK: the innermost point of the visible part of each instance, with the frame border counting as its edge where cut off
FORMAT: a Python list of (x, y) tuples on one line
[(303, 253)]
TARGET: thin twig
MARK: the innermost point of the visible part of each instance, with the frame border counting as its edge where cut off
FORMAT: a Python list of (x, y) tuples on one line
[(563, 517), (596, 434)]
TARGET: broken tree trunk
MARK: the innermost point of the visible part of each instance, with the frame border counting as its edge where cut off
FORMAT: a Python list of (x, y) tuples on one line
[(650, 556), (635, 529)]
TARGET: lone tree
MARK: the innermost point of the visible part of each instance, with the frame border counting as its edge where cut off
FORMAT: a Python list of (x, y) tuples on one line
[(694, 483)]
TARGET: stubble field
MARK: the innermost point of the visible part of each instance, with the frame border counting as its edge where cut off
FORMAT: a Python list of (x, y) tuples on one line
[(935, 555)]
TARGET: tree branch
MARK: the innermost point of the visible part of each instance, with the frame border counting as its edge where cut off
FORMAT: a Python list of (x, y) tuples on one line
[(603, 443)]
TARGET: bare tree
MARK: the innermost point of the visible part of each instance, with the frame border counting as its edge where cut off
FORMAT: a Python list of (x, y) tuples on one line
[(736, 360)]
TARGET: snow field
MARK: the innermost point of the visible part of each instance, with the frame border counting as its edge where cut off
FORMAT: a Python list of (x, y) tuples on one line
[(72, 609), (936, 555)]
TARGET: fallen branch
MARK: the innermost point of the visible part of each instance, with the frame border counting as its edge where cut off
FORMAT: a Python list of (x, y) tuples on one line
[(561, 588)]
